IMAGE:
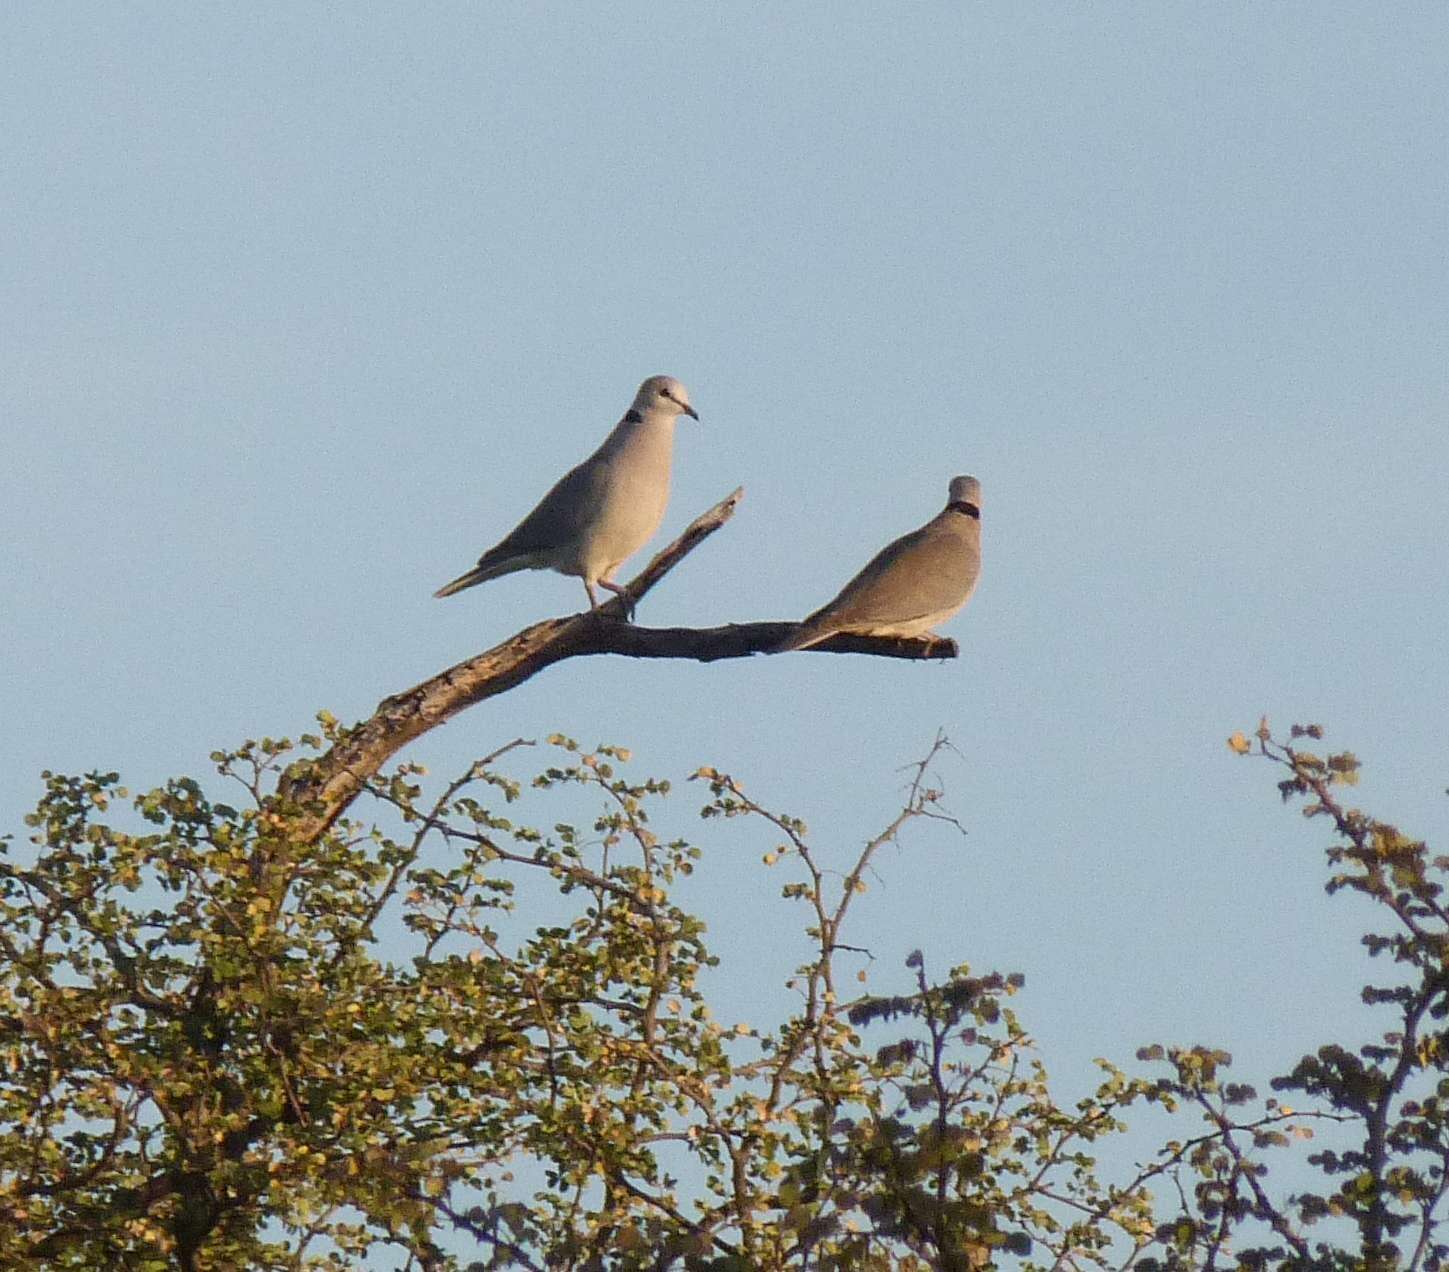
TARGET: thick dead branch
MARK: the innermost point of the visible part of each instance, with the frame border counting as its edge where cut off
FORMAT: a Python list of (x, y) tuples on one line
[(739, 640), (327, 785)]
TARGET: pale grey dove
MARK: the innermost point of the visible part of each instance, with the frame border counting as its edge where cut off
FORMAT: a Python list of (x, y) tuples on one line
[(916, 582), (598, 514)]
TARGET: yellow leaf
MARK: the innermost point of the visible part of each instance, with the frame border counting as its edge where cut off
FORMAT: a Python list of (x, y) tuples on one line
[(1240, 744)]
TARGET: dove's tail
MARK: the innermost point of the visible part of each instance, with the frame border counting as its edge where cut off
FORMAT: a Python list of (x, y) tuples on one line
[(482, 572), (462, 581), (803, 637)]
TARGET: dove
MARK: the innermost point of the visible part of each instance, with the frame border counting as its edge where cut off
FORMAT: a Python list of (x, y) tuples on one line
[(910, 586), (603, 511)]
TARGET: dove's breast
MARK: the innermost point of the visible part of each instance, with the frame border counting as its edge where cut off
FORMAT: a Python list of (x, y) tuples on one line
[(632, 495)]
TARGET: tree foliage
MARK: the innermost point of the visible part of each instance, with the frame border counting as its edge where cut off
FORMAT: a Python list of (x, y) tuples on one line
[(443, 1037)]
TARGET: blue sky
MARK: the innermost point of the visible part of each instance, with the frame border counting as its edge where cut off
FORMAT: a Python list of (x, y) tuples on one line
[(306, 305)]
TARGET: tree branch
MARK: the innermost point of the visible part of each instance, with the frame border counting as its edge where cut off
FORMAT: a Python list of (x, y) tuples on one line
[(328, 784)]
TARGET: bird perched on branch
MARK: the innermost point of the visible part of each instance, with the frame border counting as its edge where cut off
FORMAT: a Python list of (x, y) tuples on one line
[(598, 514), (911, 585)]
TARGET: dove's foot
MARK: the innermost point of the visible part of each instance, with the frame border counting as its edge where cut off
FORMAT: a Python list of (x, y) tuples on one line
[(625, 599)]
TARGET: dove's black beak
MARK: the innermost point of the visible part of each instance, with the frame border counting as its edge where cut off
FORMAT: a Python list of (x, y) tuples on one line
[(681, 404)]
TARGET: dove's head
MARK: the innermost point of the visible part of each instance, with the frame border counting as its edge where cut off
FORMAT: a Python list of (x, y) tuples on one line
[(663, 393), (965, 490)]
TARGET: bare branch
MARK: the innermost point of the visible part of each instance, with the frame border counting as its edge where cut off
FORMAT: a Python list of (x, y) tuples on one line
[(327, 785)]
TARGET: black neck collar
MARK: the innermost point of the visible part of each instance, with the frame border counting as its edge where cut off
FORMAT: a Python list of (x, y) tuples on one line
[(631, 416), (962, 505)]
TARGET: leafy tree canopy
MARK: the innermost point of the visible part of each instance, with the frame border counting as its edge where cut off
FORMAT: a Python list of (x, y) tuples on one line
[(227, 1044)]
